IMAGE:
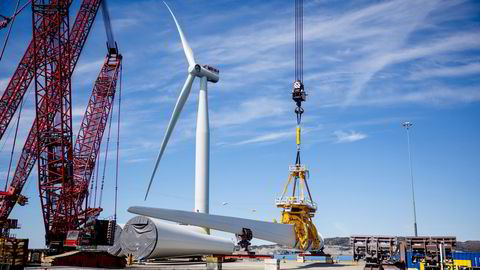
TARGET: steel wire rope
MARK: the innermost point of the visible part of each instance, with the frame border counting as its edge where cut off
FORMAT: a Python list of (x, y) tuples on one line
[(97, 164), (25, 99), (9, 29), (106, 157), (14, 143), (118, 140), (10, 132)]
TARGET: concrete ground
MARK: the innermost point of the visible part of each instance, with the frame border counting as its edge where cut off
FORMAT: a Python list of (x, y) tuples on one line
[(250, 265), (227, 265)]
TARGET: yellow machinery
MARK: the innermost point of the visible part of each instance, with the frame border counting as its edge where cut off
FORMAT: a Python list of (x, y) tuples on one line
[(458, 264), (299, 210), (449, 264)]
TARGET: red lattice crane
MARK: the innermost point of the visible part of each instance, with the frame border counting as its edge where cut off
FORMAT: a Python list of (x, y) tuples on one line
[(18, 84), (10, 101), (87, 145), (64, 172)]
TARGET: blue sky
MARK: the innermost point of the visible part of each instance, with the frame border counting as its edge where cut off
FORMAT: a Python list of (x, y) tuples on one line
[(369, 66)]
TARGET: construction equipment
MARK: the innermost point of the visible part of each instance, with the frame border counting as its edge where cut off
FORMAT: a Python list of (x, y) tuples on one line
[(379, 251), (394, 252), (13, 252), (297, 208), (433, 252), (64, 170)]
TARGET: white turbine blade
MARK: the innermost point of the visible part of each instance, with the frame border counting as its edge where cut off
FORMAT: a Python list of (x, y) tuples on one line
[(186, 48), (283, 234), (182, 98)]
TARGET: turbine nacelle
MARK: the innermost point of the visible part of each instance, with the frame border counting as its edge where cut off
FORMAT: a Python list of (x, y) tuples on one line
[(211, 73)]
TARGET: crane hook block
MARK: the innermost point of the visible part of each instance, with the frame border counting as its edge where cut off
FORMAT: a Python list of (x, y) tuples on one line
[(298, 92)]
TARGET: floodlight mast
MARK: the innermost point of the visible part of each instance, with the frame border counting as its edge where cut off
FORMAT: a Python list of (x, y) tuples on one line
[(407, 125)]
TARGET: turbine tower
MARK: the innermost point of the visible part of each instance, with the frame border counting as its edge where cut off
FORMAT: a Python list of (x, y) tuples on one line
[(202, 146)]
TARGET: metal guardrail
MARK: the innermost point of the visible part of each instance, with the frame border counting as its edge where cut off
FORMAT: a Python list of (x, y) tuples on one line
[(295, 200), (297, 168)]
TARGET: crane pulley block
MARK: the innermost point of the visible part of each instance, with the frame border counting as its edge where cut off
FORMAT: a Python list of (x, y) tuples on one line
[(4, 23), (298, 93)]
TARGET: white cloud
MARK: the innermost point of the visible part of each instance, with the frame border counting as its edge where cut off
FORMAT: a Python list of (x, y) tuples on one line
[(90, 67), (270, 137), (453, 71), (402, 19), (124, 23), (78, 111), (137, 160), (348, 136), (250, 110), (3, 84)]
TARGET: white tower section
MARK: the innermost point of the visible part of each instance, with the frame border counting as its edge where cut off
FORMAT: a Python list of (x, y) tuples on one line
[(202, 151)]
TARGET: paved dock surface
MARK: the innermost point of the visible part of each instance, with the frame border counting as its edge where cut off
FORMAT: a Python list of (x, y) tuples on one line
[(227, 265), (252, 265)]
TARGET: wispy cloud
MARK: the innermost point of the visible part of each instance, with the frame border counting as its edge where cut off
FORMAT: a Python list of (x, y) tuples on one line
[(78, 111), (348, 136), (3, 84), (93, 66), (445, 72), (250, 110), (270, 137), (123, 23)]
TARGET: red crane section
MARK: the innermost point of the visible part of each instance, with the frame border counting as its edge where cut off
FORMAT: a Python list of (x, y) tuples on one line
[(87, 145), (18, 85), (79, 33), (54, 116)]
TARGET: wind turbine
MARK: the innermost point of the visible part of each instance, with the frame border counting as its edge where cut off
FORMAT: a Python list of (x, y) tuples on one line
[(202, 145)]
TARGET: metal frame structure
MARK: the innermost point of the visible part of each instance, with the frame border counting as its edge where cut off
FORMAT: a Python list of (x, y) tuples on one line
[(54, 116), (394, 252), (87, 144), (79, 33), (19, 83), (51, 59)]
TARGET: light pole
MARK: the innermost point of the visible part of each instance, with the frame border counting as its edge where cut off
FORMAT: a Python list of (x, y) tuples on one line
[(407, 126)]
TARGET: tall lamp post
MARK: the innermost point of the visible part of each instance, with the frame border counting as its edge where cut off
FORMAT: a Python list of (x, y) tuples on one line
[(407, 126)]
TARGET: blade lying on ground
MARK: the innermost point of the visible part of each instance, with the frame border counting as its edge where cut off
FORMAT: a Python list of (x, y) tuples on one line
[(182, 98), (283, 234), (186, 48)]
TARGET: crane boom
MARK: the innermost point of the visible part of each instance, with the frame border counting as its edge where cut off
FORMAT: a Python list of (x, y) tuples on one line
[(87, 145), (79, 33), (53, 106), (108, 28), (18, 84)]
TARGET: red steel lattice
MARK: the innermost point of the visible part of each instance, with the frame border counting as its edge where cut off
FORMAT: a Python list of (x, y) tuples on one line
[(79, 33), (54, 116), (18, 85), (87, 145)]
